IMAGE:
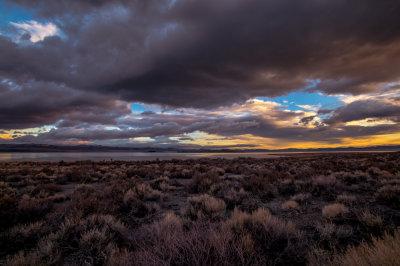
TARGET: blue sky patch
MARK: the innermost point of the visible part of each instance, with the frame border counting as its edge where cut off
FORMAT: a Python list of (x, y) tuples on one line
[(293, 100), (140, 107), (11, 12)]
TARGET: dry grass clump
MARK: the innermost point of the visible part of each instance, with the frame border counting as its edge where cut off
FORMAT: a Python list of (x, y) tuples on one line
[(301, 197), (86, 200), (346, 199), (48, 188), (325, 181), (379, 173), (162, 183), (326, 186), (259, 186), (333, 210), (326, 230), (26, 230), (370, 220), (115, 188), (389, 195), (263, 237), (77, 174), (31, 209), (289, 186), (245, 239), (233, 196), (135, 208), (58, 198), (241, 223), (84, 242), (23, 236), (202, 182), (21, 259), (231, 191), (382, 251), (181, 173), (158, 243), (166, 242), (290, 204), (130, 196), (344, 232), (352, 178), (205, 207), (8, 204), (144, 191), (120, 257)]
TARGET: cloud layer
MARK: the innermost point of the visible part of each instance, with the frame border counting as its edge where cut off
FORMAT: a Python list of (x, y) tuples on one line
[(203, 57)]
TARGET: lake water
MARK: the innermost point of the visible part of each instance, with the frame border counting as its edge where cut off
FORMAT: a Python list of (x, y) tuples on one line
[(126, 156)]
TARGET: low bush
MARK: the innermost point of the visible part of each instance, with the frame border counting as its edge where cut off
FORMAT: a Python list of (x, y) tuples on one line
[(264, 238), (259, 186), (86, 200), (325, 186), (326, 230), (77, 174), (134, 208), (325, 181), (166, 242), (288, 186), (23, 237), (85, 242), (205, 207), (202, 182), (389, 195), (8, 205), (382, 251), (301, 197), (230, 191), (290, 204), (370, 220), (32, 209), (143, 191), (346, 199), (49, 188), (163, 184), (333, 210)]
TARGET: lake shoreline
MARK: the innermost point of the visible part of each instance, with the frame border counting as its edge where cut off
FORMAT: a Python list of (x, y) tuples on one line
[(143, 156)]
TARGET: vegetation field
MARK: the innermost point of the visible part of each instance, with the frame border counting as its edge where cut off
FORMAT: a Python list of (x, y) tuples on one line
[(303, 209)]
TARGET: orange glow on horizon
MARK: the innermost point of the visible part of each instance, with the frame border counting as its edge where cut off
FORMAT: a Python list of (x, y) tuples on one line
[(6, 136), (81, 142), (255, 142)]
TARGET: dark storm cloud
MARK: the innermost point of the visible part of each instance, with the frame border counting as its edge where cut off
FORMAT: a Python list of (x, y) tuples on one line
[(307, 120), (364, 109), (209, 53), (27, 104), (268, 129)]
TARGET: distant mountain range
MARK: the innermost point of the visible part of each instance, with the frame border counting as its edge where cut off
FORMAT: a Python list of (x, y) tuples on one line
[(98, 148)]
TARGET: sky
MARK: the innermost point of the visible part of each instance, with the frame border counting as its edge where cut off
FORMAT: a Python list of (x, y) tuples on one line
[(226, 74)]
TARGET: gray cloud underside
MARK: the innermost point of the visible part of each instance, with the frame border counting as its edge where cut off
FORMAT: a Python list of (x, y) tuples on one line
[(34, 104), (359, 110), (207, 53)]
